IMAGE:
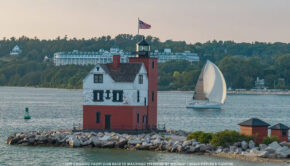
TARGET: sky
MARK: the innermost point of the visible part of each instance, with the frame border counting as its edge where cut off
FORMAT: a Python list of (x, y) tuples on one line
[(180, 20)]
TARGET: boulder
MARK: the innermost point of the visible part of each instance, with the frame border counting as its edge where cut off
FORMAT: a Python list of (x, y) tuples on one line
[(283, 152), (264, 154), (122, 142), (251, 144), (108, 144), (179, 148), (226, 150), (284, 143), (262, 147), (95, 141), (274, 145), (192, 149), (186, 143), (74, 142), (219, 149), (104, 138), (244, 145), (254, 151), (134, 142), (232, 149), (238, 151)]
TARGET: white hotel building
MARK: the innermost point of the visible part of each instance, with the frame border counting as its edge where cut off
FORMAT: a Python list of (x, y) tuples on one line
[(102, 56)]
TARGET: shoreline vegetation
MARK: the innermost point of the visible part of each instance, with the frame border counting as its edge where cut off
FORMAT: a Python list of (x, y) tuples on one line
[(240, 63), (226, 144)]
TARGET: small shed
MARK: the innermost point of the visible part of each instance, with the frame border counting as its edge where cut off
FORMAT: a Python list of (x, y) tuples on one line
[(281, 131), (255, 126)]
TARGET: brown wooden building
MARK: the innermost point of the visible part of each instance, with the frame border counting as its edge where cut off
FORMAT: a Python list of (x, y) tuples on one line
[(281, 131), (255, 126)]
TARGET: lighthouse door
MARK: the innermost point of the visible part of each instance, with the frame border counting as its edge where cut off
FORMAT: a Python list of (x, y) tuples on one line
[(107, 122)]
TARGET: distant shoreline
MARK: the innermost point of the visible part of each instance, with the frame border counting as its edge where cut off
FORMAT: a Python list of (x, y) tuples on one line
[(238, 92)]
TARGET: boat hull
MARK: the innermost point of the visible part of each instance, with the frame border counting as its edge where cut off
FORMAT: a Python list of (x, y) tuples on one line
[(204, 106)]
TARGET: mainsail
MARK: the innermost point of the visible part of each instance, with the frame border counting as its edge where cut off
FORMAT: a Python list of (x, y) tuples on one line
[(211, 84)]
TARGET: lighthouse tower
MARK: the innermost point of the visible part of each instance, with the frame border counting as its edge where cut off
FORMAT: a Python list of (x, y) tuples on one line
[(122, 96), (151, 65)]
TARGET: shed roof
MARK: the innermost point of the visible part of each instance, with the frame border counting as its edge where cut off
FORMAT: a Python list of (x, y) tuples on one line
[(126, 72), (279, 126), (254, 122)]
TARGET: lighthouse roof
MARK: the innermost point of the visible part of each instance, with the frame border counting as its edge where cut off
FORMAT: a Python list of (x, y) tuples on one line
[(279, 126), (143, 42), (254, 122), (126, 72)]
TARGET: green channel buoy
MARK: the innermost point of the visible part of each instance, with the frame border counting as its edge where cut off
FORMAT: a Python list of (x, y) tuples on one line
[(26, 115)]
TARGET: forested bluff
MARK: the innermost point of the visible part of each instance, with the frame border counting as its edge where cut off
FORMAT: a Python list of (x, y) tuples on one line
[(240, 63)]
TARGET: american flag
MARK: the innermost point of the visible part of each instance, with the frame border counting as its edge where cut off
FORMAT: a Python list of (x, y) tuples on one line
[(143, 25)]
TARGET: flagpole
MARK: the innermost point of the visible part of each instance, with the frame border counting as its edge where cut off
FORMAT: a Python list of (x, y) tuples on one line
[(138, 25)]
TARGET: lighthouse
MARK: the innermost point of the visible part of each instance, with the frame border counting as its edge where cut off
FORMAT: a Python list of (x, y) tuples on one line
[(122, 96)]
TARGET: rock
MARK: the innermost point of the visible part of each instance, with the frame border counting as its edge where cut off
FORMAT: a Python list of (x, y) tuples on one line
[(232, 149), (264, 154), (283, 152), (95, 141), (284, 143), (219, 150), (122, 142), (74, 142), (226, 150), (104, 138), (238, 151), (192, 149), (254, 151), (203, 147), (186, 143), (274, 145), (179, 148), (108, 144), (262, 147), (156, 142), (134, 142), (244, 145), (251, 144)]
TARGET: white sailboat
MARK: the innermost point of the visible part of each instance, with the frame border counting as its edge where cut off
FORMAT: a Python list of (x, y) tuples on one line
[(210, 91)]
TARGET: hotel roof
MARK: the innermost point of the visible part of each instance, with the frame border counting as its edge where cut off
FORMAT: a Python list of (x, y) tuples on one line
[(254, 122)]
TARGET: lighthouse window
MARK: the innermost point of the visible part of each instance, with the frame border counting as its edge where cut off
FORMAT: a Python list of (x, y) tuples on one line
[(137, 117), (138, 96), (98, 95), (117, 95), (107, 94), (284, 133), (140, 79), (98, 117), (153, 65), (152, 95), (98, 78)]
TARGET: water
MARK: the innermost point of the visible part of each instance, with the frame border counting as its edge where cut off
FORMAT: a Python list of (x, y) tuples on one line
[(58, 108)]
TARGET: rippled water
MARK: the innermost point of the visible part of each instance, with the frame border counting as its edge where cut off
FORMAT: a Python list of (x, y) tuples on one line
[(59, 108)]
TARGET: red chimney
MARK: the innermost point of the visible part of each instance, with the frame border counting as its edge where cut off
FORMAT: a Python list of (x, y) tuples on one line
[(116, 61)]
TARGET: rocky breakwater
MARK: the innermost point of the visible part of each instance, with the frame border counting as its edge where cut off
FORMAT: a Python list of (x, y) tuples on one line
[(170, 141)]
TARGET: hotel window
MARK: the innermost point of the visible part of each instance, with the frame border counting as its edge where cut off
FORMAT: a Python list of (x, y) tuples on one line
[(140, 79), (117, 95), (137, 117), (138, 96), (98, 117), (284, 133), (98, 78), (98, 95), (107, 94)]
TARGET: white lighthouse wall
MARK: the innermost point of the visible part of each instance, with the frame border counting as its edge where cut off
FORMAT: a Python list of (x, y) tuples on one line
[(129, 89)]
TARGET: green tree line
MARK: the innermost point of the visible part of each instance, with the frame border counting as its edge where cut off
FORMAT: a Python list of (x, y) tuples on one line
[(240, 63)]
